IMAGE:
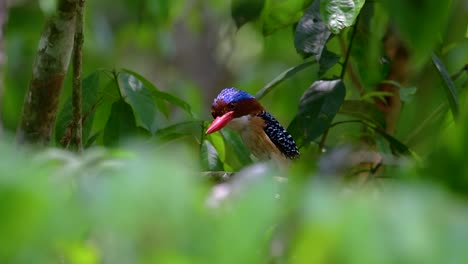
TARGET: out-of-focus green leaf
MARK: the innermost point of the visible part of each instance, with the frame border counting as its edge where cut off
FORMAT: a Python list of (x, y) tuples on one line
[(121, 124), (421, 24), (396, 144), (367, 45), (363, 110), (311, 33), (90, 90), (140, 98), (339, 14), (450, 90), (283, 76), (210, 160), (48, 7), (407, 94), (244, 11), (317, 108), (278, 14)]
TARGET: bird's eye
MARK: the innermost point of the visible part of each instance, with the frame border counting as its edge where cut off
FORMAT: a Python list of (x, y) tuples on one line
[(231, 105)]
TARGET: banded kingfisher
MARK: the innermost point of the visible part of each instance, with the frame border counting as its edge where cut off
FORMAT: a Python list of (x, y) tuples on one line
[(260, 131)]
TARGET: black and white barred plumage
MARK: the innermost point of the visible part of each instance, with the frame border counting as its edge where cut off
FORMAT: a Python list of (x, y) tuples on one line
[(279, 136)]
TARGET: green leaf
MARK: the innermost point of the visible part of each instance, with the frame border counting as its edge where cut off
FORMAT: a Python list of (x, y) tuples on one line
[(283, 76), (107, 96), (339, 14), (121, 124), (241, 152), (173, 100), (450, 91), (364, 111), (210, 160), (90, 89), (311, 33), (243, 11), (317, 108), (140, 98), (178, 130), (160, 96), (217, 140), (278, 14)]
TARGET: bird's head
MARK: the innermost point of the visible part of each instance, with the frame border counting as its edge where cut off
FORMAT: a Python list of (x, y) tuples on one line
[(230, 104)]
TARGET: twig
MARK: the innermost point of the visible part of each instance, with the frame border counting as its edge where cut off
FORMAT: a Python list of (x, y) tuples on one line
[(323, 139), (3, 20), (77, 135)]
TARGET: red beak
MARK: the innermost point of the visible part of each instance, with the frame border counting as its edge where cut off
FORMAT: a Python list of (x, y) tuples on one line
[(220, 122)]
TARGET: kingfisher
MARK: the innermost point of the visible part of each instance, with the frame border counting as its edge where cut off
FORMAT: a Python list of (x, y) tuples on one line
[(260, 131)]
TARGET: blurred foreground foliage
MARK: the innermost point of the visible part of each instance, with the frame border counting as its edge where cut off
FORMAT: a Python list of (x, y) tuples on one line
[(137, 204)]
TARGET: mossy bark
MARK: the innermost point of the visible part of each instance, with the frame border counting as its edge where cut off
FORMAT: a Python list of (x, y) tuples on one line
[(49, 70)]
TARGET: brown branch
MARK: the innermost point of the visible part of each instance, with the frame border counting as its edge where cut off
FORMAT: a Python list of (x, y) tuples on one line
[(399, 55), (49, 70), (77, 135), (3, 19)]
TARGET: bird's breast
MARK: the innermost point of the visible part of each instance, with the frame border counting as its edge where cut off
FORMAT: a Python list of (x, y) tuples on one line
[(251, 130)]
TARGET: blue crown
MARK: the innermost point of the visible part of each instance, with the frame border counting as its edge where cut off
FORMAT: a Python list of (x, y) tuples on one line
[(233, 95)]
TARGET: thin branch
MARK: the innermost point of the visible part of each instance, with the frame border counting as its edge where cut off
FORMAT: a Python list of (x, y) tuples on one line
[(77, 135), (323, 139), (350, 46)]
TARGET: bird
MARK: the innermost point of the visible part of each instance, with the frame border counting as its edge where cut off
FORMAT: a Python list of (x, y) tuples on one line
[(259, 130)]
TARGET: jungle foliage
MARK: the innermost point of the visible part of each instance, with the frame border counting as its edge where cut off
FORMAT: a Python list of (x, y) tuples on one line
[(373, 92)]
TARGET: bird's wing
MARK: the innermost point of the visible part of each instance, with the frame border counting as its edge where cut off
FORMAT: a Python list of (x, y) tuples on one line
[(279, 136)]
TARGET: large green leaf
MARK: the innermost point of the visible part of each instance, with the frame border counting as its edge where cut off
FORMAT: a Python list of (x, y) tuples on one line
[(339, 14), (121, 124), (278, 14), (63, 126), (283, 76), (140, 98), (311, 32), (452, 96), (161, 97), (317, 108), (243, 11)]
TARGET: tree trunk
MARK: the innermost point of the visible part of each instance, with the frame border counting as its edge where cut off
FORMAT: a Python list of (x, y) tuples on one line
[(77, 89), (49, 70), (3, 19)]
